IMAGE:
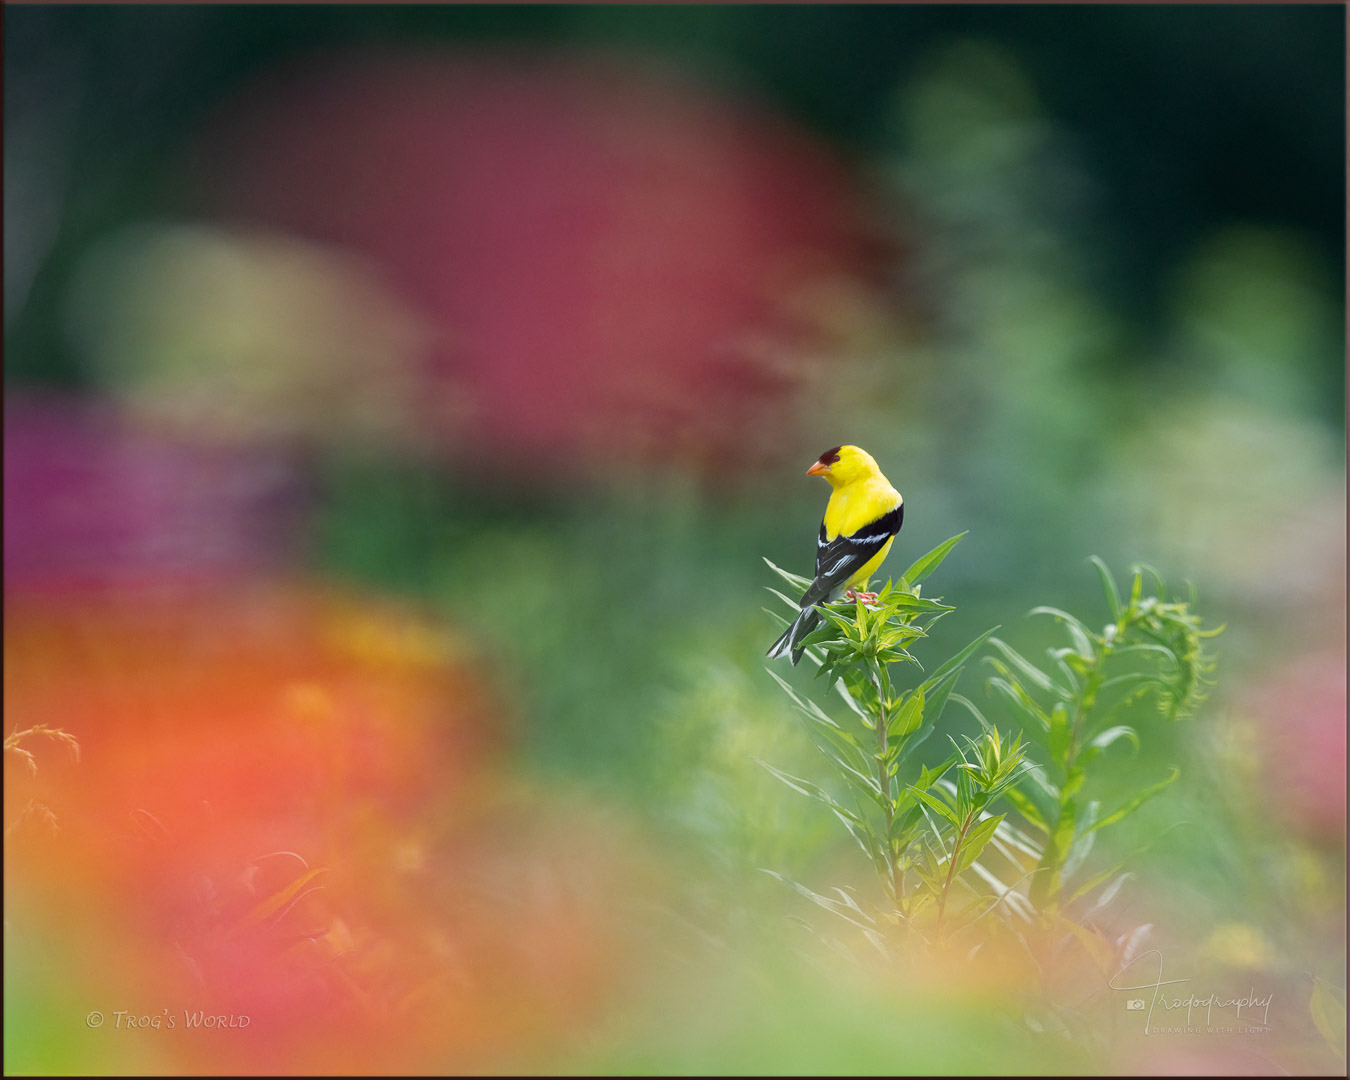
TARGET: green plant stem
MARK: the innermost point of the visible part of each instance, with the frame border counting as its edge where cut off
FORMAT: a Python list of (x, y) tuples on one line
[(1085, 702), (884, 782), (951, 868), (1088, 697)]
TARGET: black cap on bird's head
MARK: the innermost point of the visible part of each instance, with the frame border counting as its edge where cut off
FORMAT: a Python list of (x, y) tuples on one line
[(843, 464), (823, 463)]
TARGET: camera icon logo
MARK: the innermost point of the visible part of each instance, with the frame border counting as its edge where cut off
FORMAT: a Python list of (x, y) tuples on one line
[(1135, 1004)]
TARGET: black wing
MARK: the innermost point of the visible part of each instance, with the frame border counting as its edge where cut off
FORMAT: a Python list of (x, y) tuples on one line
[(839, 559)]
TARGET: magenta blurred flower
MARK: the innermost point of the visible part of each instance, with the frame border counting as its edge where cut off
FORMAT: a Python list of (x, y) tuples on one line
[(1302, 713), (91, 501), (625, 266)]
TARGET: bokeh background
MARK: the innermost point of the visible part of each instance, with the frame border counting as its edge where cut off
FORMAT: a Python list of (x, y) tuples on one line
[(398, 404)]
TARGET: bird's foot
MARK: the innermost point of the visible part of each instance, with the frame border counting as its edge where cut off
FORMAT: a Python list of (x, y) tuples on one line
[(865, 597)]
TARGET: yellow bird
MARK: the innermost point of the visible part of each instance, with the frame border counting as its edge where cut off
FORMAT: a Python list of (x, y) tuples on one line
[(861, 519)]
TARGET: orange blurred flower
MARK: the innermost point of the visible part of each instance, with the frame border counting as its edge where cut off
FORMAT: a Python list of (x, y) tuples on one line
[(288, 807)]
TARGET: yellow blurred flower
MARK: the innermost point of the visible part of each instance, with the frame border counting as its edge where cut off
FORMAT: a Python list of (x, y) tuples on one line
[(1239, 945)]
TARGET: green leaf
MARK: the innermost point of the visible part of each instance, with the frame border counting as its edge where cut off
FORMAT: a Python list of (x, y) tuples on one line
[(811, 791), (774, 615), (916, 740), (906, 602), (813, 712), (801, 584), (898, 656), (936, 804), (857, 775), (1082, 844), (1108, 894), (954, 662), (821, 635), (785, 598), (1135, 677), (857, 826), (1039, 781), (843, 623), (928, 777), (1028, 809), (1161, 586), (853, 906), (842, 689), (935, 697), (908, 717), (1096, 880), (1145, 647), (926, 564), (1071, 664), (1030, 670), (929, 868), (1327, 1006), (1111, 735), (903, 824), (883, 679), (858, 690), (1108, 587), (1033, 717), (976, 840), (969, 706), (845, 912), (1082, 636), (1012, 837), (964, 790), (1135, 803)]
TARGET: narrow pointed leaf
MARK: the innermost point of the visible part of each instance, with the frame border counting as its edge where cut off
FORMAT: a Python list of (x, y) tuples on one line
[(936, 804), (926, 564), (281, 900), (1134, 804), (1029, 670), (909, 716), (1028, 809), (855, 823), (785, 598), (1327, 1006), (1082, 636), (1133, 678), (1033, 718), (1144, 647), (801, 584), (976, 840), (1111, 735), (1108, 894), (832, 906), (1108, 587), (814, 792), (906, 602)]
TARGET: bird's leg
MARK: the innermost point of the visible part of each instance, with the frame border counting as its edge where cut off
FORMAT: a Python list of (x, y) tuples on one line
[(865, 597)]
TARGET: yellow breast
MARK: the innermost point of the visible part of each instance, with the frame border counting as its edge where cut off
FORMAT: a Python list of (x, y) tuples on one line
[(852, 507)]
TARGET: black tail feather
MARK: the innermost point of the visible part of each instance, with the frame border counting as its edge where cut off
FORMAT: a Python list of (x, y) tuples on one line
[(790, 642)]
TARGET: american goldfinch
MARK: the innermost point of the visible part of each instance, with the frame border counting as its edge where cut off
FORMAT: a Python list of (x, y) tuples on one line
[(861, 519)]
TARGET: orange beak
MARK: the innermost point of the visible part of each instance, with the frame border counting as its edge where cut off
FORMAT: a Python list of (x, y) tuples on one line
[(818, 469)]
